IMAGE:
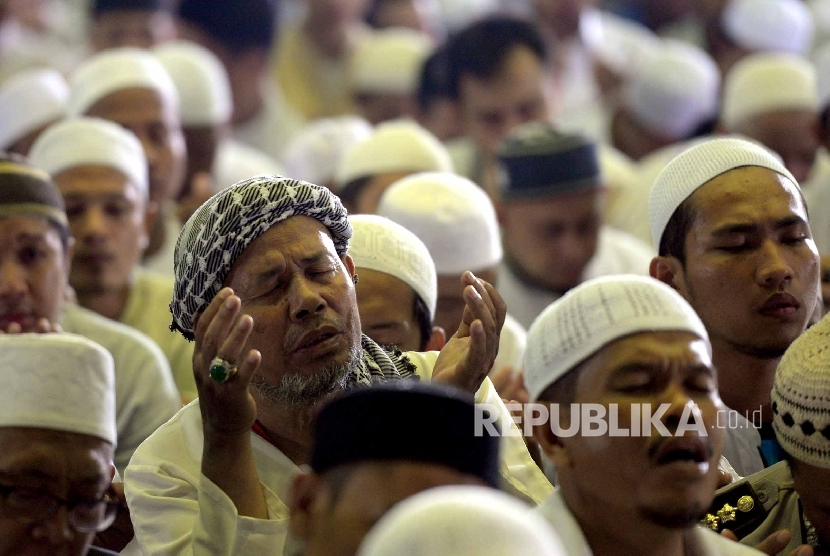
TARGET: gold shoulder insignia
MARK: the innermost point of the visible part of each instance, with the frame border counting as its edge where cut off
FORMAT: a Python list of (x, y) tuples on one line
[(736, 508)]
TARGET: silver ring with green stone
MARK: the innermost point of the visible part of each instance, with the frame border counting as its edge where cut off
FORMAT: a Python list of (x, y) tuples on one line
[(221, 370)]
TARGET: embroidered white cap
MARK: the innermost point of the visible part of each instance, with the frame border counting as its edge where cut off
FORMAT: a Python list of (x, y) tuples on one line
[(389, 61), (91, 142), (201, 81), (452, 216), (380, 244), (762, 83), (59, 382), (593, 315), (694, 167), (769, 25), (29, 100)]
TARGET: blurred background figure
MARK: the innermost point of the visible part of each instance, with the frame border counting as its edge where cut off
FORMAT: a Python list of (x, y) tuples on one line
[(139, 23), (29, 102), (419, 15)]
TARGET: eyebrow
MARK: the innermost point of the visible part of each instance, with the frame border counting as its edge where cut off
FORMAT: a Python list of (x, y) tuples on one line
[(729, 229)]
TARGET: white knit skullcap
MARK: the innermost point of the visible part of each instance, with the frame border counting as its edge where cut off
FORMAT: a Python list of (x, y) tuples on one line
[(452, 216), (201, 81), (769, 25), (58, 382), (696, 166), (675, 90), (461, 520), (379, 244), (91, 142), (821, 61), (801, 397), (29, 100), (593, 315), (316, 151), (389, 61), (395, 146), (114, 70), (767, 82)]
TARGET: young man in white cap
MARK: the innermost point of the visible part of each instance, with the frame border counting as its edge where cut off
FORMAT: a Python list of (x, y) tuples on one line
[(138, 23), (206, 108), (773, 99), (35, 254), (457, 222), (101, 173), (265, 286), (397, 291), (130, 87), (551, 216), (633, 352), (385, 68), (791, 494), (29, 102), (57, 441), (395, 150), (731, 230), (460, 520)]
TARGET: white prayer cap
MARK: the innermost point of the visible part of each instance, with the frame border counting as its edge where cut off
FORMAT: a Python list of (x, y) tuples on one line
[(461, 520), (114, 70), (91, 142), (389, 61), (695, 167), (59, 382), (821, 61), (675, 90), (769, 25), (801, 397), (316, 151), (763, 83), (201, 81), (593, 315), (452, 216), (379, 244), (29, 100), (457, 14), (395, 146)]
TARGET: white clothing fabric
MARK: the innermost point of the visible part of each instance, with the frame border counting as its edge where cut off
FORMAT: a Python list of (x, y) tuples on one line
[(177, 511), (556, 511), (148, 310), (512, 342), (742, 447), (236, 161), (273, 127), (161, 262), (145, 394), (617, 253), (817, 194)]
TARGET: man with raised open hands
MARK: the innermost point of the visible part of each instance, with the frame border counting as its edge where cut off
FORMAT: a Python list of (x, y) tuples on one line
[(265, 286)]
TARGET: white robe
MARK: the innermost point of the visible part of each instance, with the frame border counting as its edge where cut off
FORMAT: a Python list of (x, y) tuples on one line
[(176, 511)]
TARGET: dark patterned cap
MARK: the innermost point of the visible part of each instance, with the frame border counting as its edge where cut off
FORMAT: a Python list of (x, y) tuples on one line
[(218, 232), (540, 161), (28, 191)]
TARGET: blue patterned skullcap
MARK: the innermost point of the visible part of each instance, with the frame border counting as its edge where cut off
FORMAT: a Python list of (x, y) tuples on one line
[(228, 222)]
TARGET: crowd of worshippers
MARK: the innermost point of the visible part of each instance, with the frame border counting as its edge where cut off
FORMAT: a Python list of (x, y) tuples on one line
[(414, 277)]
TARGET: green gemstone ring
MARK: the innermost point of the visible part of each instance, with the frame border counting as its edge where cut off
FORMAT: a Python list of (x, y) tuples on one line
[(221, 370)]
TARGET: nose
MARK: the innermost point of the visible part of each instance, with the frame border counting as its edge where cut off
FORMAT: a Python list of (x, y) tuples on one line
[(92, 227), (572, 249), (12, 280), (679, 402), (55, 529), (774, 270), (305, 299)]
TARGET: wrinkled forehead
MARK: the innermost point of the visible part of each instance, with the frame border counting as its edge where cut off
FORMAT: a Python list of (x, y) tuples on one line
[(52, 454)]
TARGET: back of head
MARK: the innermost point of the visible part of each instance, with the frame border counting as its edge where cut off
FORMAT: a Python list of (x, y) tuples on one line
[(201, 81), (452, 216), (91, 142), (540, 161), (695, 167), (764, 83), (434, 80), (389, 62), (596, 313), (356, 427), (480, 49), (239, 27), (99, 7), (114, 70), (395, 146), (39, 393), (30, 100), (769, 25), (801, 397), (674, 91), (460, 520), (380, 244)]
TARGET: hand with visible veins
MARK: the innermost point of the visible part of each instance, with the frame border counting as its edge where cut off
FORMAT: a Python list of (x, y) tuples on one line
[(468, 356)]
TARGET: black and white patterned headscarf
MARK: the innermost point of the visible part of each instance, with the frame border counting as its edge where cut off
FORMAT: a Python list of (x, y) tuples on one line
[(228, 222)]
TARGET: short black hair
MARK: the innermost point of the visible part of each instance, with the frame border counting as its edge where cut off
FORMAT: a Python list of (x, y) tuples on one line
[(240, 25), (673, 242), (434, 82), (481, 48), (422, 317), (351, 191), (99, 7)]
